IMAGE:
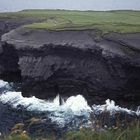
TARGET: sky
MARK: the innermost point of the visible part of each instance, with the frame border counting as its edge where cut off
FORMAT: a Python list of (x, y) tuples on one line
[(97, 5)]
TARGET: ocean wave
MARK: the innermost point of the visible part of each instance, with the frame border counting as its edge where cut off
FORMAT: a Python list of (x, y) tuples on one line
[(61, 111)]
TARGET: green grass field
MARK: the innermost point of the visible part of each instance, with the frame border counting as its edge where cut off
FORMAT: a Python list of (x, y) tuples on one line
[(109, 21)]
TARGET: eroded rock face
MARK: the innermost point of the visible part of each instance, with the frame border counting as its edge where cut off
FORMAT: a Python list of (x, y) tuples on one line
[(8, 58), (75, 62)]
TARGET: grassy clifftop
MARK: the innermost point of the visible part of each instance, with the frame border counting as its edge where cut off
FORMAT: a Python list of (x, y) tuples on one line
[(110, 21)]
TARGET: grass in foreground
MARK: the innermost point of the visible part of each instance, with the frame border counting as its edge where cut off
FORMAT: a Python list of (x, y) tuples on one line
[(110, 21), (130, 133)]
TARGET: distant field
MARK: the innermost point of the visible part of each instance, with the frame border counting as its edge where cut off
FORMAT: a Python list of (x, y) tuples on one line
[(110, 21)]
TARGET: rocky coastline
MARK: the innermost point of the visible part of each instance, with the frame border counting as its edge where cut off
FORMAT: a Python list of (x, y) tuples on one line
[(86, 62)]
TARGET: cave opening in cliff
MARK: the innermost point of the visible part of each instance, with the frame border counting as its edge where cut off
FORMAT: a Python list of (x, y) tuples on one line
[(9, 61)]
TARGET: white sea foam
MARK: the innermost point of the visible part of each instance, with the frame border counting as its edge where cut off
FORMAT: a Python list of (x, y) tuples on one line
[(138, 111), (60, 113), (112, 108), (75, 104), (3, 83)]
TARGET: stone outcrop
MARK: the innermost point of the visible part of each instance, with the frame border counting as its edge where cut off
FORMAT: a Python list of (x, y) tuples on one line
[(6, 25), (74, 62)]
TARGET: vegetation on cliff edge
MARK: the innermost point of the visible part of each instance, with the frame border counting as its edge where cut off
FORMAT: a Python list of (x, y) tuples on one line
[(109, 21), (132, 132)]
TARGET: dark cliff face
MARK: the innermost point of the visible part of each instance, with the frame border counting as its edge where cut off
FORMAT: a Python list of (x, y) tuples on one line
[(73, 62), (8, 57)]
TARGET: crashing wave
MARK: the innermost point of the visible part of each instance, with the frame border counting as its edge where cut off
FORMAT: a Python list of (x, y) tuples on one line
[(76, 104), (62, 112), (112, 108), (3, 83)]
